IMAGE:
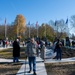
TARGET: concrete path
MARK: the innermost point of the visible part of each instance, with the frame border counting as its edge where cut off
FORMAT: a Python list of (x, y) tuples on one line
[(63, 60), (40, 68), (2, 48), (40, 65)]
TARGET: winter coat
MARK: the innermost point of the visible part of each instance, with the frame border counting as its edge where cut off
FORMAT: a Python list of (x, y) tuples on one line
[(43, 52), (16, 49), (31, 49)]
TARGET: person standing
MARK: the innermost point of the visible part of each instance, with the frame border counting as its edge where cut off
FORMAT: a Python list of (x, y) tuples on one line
[(16, 50), (43, 51), (58, 49), (31, 54)]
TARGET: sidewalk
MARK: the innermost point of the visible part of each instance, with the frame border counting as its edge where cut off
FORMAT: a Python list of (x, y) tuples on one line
[(40, 68), (72, 59)]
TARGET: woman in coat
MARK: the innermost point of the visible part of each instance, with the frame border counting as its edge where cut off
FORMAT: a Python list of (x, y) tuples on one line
[(16, 50)]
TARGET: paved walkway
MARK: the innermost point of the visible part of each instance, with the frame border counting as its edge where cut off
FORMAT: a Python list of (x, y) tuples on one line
[(40, 65), (40, 68)]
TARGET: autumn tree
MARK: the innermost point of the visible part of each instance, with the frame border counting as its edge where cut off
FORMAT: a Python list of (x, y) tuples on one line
[(19, 25)]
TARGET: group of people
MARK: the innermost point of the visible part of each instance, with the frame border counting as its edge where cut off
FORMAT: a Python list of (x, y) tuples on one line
[(31, 52)]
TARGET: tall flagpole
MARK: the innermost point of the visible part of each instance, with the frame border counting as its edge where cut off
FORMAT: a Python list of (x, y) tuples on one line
[(29, 28), (67, 31), (56, 24), (45, 30), (5, 28), (17, 27), (37, 27), (29, 31)]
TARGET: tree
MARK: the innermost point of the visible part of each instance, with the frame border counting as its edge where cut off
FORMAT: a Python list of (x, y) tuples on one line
[(72, 23), (59, 27), (19, 25)]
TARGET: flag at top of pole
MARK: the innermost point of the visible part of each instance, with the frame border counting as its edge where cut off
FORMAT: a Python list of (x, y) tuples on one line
[(55, 23), (5, 21), (29, 23), (37, 24), (66, 21)]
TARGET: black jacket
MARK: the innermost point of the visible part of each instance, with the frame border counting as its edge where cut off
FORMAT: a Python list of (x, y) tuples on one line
[(16, 49)]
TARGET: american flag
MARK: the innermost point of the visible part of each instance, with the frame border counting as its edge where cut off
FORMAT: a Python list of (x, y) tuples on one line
[(29, 23), (56, 23), (5, 20), (37, 24), (66, 21)]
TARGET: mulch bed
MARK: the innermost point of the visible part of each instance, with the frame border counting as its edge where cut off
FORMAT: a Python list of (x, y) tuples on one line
[(9, 68), (60, 68), (65, 68), (68, 52)]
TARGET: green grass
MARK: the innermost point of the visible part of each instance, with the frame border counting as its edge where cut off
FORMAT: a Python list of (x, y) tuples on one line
[(8, 53)]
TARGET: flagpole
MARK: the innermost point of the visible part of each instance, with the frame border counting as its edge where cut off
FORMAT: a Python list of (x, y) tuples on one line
[(37, 32), (17, 27), (37, 28), (56, 24), (45, 30), (57, 31), (67, 26), (29, 28), (5, 28), (29, 31)]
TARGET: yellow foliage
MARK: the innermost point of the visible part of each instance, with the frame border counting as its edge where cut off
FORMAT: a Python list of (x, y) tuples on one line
[(19, 24)]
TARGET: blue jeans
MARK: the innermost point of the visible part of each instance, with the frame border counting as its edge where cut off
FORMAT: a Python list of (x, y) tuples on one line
[(59, 54), (32, 60), (15, 59)]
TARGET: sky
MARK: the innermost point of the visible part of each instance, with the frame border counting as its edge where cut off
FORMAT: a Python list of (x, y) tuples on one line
[(36, 10)]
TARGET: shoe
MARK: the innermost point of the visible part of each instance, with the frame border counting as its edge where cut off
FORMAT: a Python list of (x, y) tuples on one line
[(29, 71), (34, 73)]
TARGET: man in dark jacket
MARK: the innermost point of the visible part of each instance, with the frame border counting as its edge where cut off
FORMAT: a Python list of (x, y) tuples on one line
[(58, 49), (16, 50)]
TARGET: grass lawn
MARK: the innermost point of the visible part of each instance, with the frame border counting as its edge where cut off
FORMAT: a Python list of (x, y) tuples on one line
[(8, 53), (10, 68)]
